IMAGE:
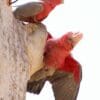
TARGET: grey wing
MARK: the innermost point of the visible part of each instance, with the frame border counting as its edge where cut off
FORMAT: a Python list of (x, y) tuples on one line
[(28, 10), (35, 86), (64, 86), (36, 82)]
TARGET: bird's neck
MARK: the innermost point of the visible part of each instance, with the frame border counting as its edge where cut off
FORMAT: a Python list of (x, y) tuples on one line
[(72, 66)]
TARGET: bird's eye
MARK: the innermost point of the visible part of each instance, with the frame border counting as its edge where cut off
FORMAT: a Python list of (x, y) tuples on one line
[(70, 42), (70, 39)]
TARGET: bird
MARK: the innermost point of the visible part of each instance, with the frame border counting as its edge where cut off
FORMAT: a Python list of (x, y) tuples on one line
[(56, 50), (61, 69), (33, 12)]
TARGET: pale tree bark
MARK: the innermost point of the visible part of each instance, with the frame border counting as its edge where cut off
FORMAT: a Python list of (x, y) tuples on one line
[(21, 49)]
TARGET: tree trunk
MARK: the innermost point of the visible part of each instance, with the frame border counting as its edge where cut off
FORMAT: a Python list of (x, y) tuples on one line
[(15, 54)]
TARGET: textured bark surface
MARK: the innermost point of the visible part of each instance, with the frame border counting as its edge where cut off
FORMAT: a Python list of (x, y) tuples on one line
[(35, 48), (14, 55), (13, 58)]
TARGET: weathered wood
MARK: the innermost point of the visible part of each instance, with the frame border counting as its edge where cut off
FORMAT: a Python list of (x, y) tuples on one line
[(35, 48), (14, 54), (13, 58)]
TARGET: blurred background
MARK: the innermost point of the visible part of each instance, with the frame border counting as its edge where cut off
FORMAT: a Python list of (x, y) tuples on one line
[(83, 16)]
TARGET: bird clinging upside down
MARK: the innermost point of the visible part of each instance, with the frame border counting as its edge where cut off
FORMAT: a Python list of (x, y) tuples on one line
[(61, 69), (35, 11)]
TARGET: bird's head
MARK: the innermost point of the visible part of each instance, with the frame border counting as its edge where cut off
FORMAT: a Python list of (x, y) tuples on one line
[(70, 39)]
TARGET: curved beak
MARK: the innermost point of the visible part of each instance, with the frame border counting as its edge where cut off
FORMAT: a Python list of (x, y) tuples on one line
[(76, 37), (62, 1)]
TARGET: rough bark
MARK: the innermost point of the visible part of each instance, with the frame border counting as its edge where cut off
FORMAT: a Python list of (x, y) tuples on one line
[(15, 59)]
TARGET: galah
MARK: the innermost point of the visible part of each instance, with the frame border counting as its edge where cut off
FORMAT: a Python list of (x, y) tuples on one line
[(57, 50), (61, 69), (35, 11)]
